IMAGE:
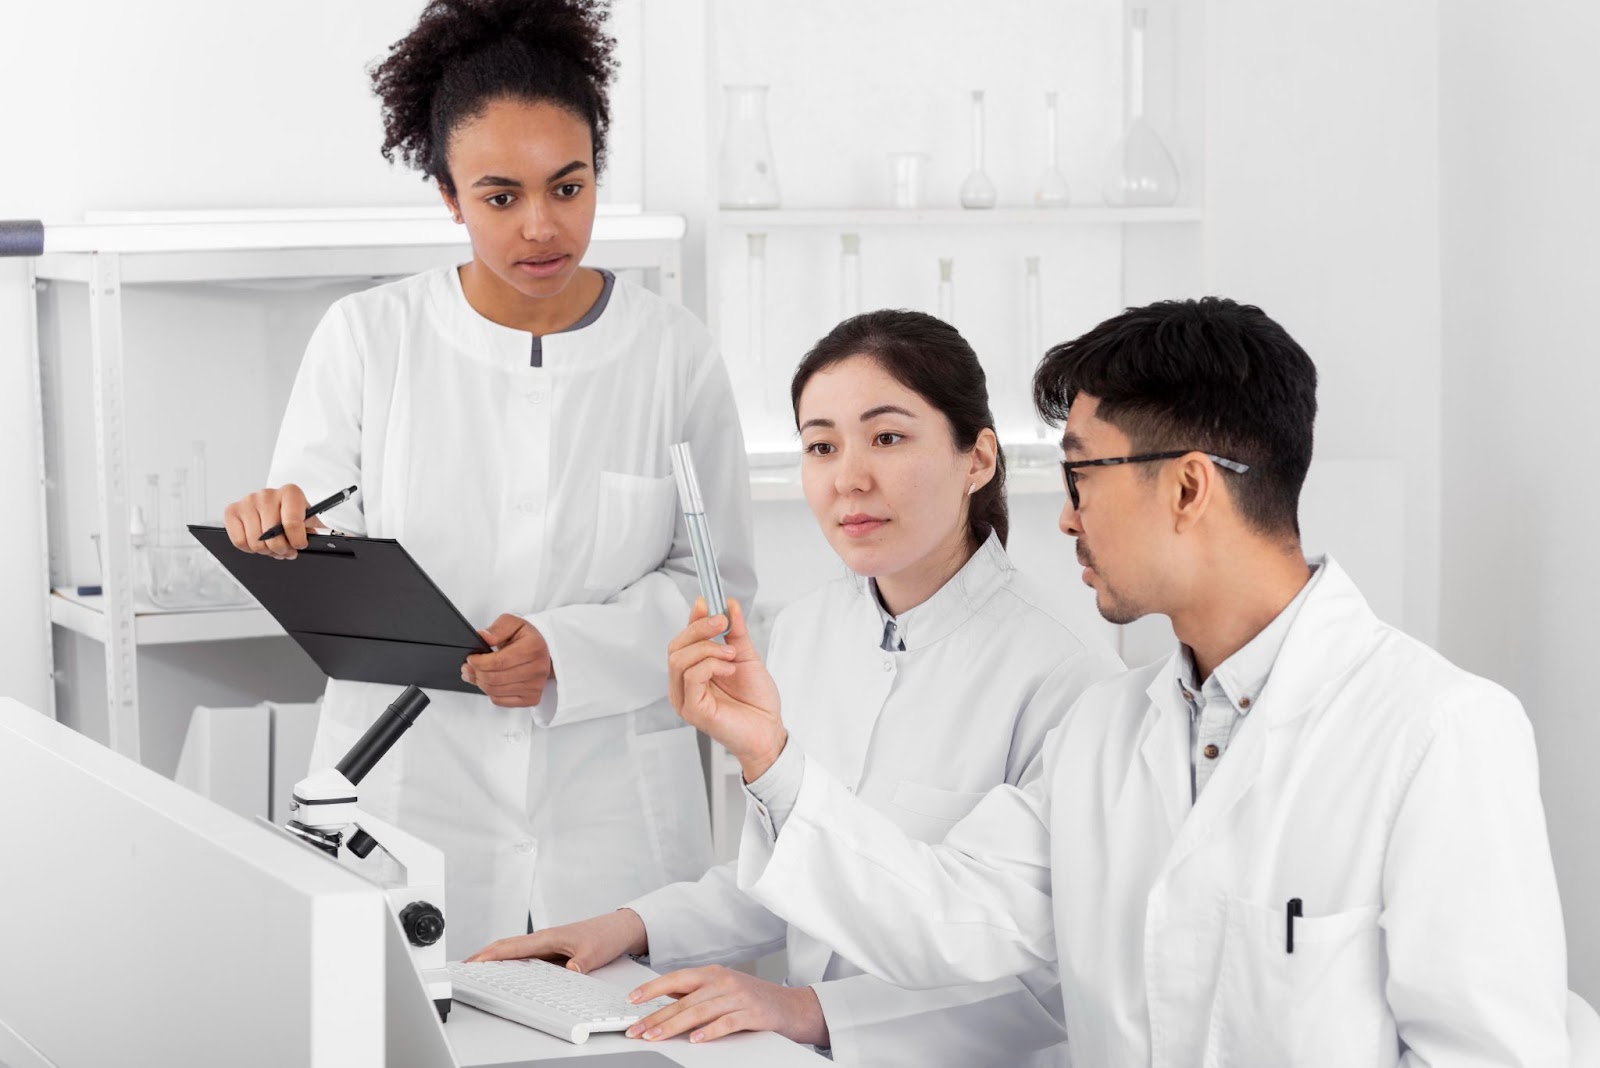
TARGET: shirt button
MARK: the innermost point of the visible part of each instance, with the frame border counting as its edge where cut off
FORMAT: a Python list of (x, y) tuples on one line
[(1244, 702), (535, 396), (888, 663), (1211, 752), (525, 846), (528, 506), (515, 737)]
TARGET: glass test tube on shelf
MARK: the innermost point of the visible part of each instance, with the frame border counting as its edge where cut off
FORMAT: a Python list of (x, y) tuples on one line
[(849, 275), (768, 386), (947, 290), (1032, 336)]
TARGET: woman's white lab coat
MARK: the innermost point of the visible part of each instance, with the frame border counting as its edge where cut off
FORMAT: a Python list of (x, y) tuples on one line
[(990, 666), (545, 492), (1394, 794)]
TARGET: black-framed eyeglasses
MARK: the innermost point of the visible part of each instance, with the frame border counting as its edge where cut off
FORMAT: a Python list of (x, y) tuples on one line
[(1070, 474)]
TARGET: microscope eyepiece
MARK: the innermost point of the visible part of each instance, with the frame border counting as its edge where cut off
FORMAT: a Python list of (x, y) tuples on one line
[(384, 732)]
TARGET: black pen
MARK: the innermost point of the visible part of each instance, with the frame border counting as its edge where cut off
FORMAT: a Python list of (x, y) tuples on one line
[(1294, 913), (316, 509)]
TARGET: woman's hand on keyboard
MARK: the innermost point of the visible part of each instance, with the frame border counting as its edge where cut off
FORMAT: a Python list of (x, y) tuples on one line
[(583, 946), (716, 1001)]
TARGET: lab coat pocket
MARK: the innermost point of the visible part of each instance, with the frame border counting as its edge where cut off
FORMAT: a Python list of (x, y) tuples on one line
[(1322, 1005), (927, 812), (633, 528)]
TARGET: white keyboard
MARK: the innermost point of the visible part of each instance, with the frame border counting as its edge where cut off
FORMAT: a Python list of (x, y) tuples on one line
[(547, 997)]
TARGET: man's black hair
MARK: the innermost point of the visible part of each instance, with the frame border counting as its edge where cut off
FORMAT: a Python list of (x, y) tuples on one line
[(1208, 374)]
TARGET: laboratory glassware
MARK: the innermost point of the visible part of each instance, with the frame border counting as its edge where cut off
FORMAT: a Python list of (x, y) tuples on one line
[(199, 505), (749, 176), (977, 191), (767, 381), (947, 290), (907, 178), (1052, 190), (849, 275), (1032, 335), (1140, 170), (695, 522)]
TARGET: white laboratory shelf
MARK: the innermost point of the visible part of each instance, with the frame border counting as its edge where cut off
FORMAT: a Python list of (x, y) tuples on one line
[(1030, 472), (86, 615), (1098, 215), (158, 247)]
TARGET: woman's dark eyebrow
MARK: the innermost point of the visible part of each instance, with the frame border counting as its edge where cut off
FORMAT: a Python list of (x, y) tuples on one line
[(495, 179), (886, 409), (575, 165)]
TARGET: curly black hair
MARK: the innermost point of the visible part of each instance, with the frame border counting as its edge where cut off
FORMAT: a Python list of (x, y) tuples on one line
[(462, 54)]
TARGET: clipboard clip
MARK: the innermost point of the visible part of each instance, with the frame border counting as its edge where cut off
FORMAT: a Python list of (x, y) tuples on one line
[(321, 546)]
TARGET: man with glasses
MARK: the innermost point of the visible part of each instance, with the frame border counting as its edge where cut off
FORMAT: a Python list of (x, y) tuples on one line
[(1303, 839)]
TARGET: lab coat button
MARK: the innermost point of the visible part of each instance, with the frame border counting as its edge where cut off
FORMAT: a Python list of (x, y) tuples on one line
[(535, 396), (888, 663), (525, 846), (528, 506), (515, 737)]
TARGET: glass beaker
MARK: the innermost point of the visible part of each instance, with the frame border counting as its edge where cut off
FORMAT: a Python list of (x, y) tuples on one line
[(1052, 191), (907, 174), (1140, 170), (977, 191), (749, 176)]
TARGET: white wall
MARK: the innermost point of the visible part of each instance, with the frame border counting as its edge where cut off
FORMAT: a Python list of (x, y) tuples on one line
[(1521, 163)]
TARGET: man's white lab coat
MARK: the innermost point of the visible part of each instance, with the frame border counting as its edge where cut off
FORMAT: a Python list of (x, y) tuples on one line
[(1394, 794)]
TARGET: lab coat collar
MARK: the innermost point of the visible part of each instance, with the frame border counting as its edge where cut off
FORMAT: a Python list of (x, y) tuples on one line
[(1331, 631), (954, 602), (490, 342)]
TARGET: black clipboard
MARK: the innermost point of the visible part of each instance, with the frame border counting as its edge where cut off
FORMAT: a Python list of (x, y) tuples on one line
[(362, 608)]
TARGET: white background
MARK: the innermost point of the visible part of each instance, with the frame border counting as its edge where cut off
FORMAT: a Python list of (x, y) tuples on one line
[(1408, 186)]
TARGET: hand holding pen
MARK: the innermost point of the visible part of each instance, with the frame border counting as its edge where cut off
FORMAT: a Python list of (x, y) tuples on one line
[(273, 521)]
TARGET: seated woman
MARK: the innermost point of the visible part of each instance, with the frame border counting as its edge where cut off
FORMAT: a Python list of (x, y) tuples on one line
[(934, 676)]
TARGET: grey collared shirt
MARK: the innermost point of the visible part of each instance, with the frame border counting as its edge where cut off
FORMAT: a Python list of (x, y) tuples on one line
[(1219, 705), (893, 636)]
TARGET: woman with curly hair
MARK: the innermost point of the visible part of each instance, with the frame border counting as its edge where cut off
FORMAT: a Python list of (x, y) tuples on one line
[(509, 420)]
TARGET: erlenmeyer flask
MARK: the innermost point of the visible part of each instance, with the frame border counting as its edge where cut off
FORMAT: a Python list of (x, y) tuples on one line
[(749, 178), (1140, 170), (1052, 191), (978, 191)]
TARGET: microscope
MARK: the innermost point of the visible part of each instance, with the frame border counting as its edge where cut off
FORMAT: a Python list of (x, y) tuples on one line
[(324, 809)]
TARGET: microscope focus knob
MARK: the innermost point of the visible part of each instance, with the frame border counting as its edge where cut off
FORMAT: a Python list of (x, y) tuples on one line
[(423, 923)]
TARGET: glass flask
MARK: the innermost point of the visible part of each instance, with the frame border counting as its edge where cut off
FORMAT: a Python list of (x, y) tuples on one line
[(1052, 191), (947, 290), (978, 191), (906, 178), (849, 275), (749, 178), (1140, 170)]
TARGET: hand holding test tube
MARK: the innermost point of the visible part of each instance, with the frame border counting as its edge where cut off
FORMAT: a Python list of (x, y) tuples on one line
[(694, 518)]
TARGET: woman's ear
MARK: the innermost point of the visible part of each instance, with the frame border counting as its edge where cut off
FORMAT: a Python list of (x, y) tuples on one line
[(449, 201), (985, 453)]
